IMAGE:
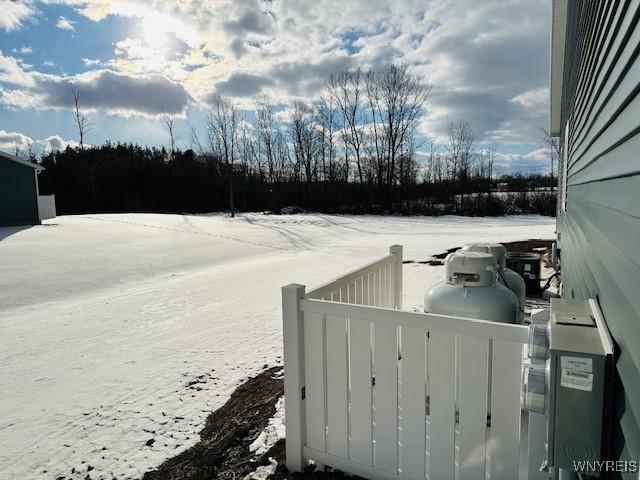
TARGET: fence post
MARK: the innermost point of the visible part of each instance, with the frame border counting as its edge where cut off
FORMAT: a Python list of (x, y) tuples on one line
[(397, 280), (293, 339)]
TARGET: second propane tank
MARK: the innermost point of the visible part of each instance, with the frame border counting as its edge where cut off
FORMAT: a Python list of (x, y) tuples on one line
[(470, 290), (511, 279)]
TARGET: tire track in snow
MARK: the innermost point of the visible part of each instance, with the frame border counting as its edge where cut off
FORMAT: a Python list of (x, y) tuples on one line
[(179, 230)]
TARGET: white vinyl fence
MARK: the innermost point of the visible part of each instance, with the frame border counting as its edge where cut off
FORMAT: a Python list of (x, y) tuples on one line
[(383, 393), (47, 206)]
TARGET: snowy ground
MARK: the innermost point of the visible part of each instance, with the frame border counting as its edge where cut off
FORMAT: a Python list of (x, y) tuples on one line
[(120, 333)]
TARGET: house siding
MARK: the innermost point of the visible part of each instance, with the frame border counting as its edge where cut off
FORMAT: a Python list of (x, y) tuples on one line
[(18, 194), (599, 205)]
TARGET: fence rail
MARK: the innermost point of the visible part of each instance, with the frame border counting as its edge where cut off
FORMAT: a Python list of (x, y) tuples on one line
[(385, 393), (377, 284)]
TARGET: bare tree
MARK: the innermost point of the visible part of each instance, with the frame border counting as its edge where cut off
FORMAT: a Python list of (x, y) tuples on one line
[(222, 122), (327, 125), (169, 122), (265, 123), (347, 91), (303, 138), (552, 145), (83, 124), (461, 148), (26, 151), (195, 139), (461, 151), (397, 100)]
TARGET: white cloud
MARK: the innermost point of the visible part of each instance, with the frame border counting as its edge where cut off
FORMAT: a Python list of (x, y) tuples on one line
[(64, 23), (16, 142), (13, 72), (536, 98), (106, 90), (90, 62), (14, 14), (23, 50), (55, 143), (10, 141), (535, 161)]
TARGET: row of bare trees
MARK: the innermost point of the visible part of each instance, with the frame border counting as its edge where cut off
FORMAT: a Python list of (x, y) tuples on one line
[(360, 136), (362, 128), (463, 160)]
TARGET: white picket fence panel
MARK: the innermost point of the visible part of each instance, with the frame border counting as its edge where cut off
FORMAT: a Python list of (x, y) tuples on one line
[(47, 206), (383, 393)]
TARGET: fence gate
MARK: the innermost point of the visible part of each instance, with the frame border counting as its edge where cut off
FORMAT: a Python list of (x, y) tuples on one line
[(383, 393)]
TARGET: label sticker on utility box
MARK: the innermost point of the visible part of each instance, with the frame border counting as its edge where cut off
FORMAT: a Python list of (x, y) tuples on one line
[(576, 380), (581, 364)]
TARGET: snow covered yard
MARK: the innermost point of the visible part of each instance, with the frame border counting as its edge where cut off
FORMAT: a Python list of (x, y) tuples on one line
[(120, 333)]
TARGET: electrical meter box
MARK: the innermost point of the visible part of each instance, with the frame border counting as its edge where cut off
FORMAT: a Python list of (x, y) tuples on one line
[(578, 379)]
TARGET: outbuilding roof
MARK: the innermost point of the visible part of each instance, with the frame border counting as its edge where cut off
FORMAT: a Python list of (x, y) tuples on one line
[(13, 158)]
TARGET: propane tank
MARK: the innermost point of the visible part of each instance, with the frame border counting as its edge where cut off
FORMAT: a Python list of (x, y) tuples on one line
[(511, 279), (470, 290)]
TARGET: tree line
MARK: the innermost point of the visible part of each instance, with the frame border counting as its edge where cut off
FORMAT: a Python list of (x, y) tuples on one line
[(356, 148)]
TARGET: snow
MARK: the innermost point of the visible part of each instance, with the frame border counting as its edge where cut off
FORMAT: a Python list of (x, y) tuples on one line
[(275, 431), (120, 333), (263, 471)]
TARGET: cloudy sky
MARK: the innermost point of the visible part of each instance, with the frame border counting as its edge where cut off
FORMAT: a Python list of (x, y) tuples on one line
[(132, 60)]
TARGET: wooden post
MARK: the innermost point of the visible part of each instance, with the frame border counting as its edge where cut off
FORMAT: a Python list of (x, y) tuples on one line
[(397, 280), (293, 335)]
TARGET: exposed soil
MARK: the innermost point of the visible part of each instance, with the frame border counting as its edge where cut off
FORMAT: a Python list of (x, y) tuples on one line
[(442, 256), (528, 245), (223, 450), (432, 262), (519, 246)]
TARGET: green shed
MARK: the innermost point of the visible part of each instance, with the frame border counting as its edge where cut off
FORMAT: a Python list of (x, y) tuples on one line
[(18, 191)]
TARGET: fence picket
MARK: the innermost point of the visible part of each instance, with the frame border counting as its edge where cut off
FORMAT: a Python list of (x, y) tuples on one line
[(384, 288), (390, 286), (337, 401), (344, 293), (505, 410), (361, 446), (351, 298), (473, 389), (413, 404), (385, 399), (442, 406), (314, 380), (359, 292), (365, 290), (373, 297)]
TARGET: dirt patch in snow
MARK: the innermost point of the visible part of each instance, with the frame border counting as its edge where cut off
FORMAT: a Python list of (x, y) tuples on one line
[(535, 245), (223, 450), (519, 246)]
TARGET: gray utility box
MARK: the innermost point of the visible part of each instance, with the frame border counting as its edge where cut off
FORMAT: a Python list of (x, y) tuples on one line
[(578, 377)]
